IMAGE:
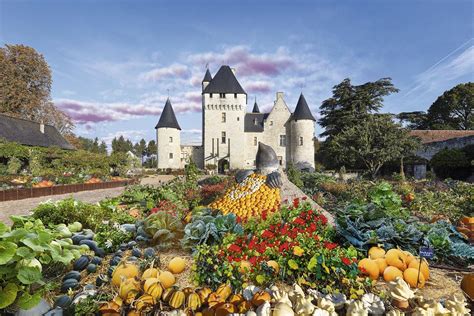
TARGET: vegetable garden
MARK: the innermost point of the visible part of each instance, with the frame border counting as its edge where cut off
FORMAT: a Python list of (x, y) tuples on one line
[(216, 247)]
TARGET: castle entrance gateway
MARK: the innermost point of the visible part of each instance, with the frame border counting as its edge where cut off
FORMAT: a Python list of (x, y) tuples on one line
[(223, 166)]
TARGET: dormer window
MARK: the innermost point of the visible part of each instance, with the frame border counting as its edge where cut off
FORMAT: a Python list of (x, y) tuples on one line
[(255, 121)]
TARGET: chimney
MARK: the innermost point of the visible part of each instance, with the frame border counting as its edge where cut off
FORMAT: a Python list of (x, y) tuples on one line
[(279, 95), (233, 70), (42, 127)]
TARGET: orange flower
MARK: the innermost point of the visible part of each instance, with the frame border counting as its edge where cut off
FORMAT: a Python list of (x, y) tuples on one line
[(298, 251)]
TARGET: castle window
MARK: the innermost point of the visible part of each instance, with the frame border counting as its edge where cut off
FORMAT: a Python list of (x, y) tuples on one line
[(255, 141), (301, 141), (171, 155), (210, 95), (222, 95), (235, 95), (223, 117), (171, 139), (255, 121), (271, 123), (238, 118), (223, 138), (283, 140)]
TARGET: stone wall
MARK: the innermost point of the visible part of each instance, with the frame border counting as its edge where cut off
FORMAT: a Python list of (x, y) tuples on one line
[(427, 151), (169, 148)]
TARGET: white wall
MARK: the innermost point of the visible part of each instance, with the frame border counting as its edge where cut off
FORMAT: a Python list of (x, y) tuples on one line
[(167, 147), (302, 154)]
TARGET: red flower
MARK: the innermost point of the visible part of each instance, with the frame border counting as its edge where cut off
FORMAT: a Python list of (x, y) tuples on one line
[(252, 244), (312, 227), (284, 246), (316, 237), (346, 261), (299, 221), (296, 202), (239, 220), (268, 234), (234, 248), (330, 245), (264, 215), (253, 260)]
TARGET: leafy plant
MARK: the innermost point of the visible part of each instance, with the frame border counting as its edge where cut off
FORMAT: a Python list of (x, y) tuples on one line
[(164, 229), (208, 229), (25, 251), (14, 165), (109, 237)]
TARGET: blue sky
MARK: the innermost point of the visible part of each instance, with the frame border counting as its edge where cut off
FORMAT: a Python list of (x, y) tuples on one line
[(113, 62)]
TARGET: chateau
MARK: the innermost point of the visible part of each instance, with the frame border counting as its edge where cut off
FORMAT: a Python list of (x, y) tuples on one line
[(230, 134)]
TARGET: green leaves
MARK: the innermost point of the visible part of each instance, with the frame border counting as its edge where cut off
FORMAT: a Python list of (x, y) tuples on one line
[(8, 295), (29, 275), (293, 264), (28, 301), (7, 251)]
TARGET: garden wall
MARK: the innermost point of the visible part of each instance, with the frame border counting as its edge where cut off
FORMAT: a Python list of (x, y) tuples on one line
[(26, 193)]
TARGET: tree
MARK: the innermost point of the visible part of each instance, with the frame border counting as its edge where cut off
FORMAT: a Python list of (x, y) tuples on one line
[(103, 148), (152, 149), (454, 109), (25, 88), (375, 141), (351, 104), (451, 163), (121, 145), (413, 120)]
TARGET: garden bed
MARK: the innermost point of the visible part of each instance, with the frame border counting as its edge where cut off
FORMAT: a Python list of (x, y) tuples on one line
[(26, 193)]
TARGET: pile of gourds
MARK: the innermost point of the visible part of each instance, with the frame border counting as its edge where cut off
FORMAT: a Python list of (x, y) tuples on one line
[(395, 263), (249, 198)]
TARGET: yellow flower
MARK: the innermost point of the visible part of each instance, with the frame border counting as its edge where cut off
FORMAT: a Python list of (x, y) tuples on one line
[(298, 251)]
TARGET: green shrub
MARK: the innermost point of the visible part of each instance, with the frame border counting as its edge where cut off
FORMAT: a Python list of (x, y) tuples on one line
[(13, 166), (294, 175), (451, 163)]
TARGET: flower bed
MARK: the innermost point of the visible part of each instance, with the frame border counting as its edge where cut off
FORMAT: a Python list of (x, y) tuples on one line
[(162, 251)]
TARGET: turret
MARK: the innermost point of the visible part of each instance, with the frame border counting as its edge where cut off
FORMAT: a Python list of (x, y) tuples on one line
[(255, 107), (207, 78), (302, 132), (168, 139)]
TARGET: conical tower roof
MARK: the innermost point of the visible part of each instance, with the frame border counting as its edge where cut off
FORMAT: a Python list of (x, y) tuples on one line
[(302, 111), (207, 76), (167, 118), (255, 108), (224, 82)]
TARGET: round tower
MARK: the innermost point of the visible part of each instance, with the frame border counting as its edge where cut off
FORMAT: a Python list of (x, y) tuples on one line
[(301, 135), (168, 139)]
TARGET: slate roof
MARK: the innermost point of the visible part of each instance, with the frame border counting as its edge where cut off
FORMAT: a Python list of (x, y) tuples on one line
[(167, 117), (207, 76), (249, 122), (255, 108), (224, 82), (28, 133), (432, 136), (302, 111)]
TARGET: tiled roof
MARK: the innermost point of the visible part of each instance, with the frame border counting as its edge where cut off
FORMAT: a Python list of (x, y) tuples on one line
[(254, 122), (302, 111), (28, 133), (431, 136), (167, 118), (224, 82)]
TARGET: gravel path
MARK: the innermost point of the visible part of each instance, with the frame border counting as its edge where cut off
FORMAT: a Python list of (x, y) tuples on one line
[(23, 207)]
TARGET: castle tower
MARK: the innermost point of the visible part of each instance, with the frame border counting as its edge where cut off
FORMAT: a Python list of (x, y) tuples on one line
[(168, 139), (301, 125), (224, 104)]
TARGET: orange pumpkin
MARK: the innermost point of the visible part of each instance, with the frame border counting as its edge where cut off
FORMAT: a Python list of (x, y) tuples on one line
[(225, 309), (369, 267), (150, 273), (124, 270), (224, 291), (376, 252), (396, 258), (244, 266), (382, 264), (167, 279), (391, 273), (274, 265), (244, 307), (236, 299), (177, 265), (261, 297), (415, 264), (467, 285), (409, 257), (410, 276)]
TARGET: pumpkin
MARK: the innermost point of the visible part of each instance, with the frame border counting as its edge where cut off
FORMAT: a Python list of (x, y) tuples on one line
[(124, 270), (224, 291), (244, 307), (193, 301), (144, 303), (214, 299), (244, 267), (415, 264), (369, 267), (177, 265), (236, 299), (391, 273), (153, 287), (409, 257), (129, 289), (274, 265), (207, 312), (396, 258), (204, 293), (382, 264), (467, 285), (150, 273), (225, 309), (261, 297), (177, 299), (110, 308), (167, 279), (410, 276), (283, 309), (376, 252), (167, 294)]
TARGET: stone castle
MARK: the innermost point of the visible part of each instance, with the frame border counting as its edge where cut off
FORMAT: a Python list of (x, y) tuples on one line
[(230, 134)]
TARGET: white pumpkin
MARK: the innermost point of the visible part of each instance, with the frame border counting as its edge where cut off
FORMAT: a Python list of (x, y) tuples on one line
[(356, 308), (321, 312), (250, 313), (283, 309), (264, 309), (373, 304)]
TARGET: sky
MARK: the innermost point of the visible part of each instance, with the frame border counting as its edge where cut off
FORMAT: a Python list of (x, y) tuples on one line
[(114, 63)]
